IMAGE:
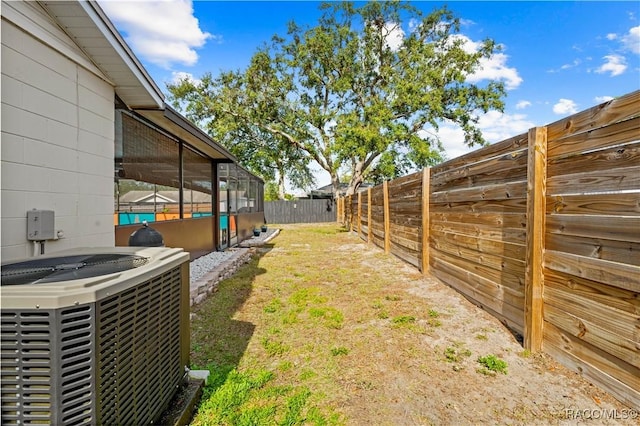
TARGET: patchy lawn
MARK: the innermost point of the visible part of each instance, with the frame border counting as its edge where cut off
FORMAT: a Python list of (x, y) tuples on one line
[(321, 328)]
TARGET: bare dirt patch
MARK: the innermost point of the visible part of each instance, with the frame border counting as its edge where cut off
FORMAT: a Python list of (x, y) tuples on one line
[(372, 341)]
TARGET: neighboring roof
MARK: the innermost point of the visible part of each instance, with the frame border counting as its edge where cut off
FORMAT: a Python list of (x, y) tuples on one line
[(327, 190), (139, 196)]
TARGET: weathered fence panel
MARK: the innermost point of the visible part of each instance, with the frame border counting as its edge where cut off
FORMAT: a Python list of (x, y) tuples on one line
[(377, 216), (592, 246), (300, 211), (354, 212), (405, 227), (477, 227), (364, 214), (542, 230)]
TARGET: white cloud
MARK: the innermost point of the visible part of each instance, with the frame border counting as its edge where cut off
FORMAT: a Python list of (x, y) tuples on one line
[(565, 107), (413, 24), (615, 64), (495, 126), (631, 40), (178, 76), (452, 139), (601, 99), (466, 22), (162, 32), (575, 63), (393, 35), (523, 104), (493, 68), (564, 67), (611, 36)]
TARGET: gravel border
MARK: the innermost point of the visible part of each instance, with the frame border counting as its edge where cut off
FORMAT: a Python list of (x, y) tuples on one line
[(201, 266), (208, 270)]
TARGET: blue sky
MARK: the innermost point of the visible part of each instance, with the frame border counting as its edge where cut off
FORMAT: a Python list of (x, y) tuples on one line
[(558, 57)]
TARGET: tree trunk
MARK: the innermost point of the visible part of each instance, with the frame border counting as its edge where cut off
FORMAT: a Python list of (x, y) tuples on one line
[(356, 178), (281, 191), (335, 183)]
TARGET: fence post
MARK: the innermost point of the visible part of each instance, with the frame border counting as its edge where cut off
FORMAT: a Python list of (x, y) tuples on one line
[(351, 212), (369, 227), (359, 213), (426, 191), (536, 212), (387, 223), (338, 209)]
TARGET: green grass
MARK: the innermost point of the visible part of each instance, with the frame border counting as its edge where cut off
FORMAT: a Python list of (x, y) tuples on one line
[(225, 402), (307, 374), (249, 398), (434, 322), (456, 353), (274, 306), (491, 364), (300, 334), (403, 319), (383, 314), (333, 318), (307, 296), (340, 350), (274, 347)]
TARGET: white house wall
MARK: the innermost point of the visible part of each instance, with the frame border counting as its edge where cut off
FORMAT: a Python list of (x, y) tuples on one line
[(57, 136)]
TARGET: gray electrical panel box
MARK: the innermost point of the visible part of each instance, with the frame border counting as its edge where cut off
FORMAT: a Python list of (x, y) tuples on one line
[(40, 225)]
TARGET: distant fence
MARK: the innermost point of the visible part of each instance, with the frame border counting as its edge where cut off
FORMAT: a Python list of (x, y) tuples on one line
[(542, 230), (300, 211)]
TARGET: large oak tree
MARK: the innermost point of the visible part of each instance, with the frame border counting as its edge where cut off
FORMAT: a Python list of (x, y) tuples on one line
[(354, 93)]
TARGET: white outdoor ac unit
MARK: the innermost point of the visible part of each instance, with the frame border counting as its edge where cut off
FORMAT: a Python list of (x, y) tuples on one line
[(94, 336)]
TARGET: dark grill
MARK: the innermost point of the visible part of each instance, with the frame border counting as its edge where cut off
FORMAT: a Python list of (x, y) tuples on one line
[(39, 271), (46, 363)]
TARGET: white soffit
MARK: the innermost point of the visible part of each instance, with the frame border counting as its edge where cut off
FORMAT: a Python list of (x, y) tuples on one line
[(93, 32)]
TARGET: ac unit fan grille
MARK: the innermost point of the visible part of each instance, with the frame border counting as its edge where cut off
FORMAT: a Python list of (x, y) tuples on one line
[(53, 269), (139, 361), (46, 363)]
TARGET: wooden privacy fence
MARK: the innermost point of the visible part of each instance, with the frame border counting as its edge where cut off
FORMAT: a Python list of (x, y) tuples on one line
[(542, 230), (300, 211)]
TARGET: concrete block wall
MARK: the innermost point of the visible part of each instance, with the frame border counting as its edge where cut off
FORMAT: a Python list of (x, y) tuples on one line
[(57, 144)]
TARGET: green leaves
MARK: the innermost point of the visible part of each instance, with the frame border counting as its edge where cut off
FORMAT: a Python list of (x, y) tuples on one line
[(354, 94)]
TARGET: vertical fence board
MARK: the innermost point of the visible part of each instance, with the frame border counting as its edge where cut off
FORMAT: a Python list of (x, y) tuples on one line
[(387, 223), (536, 208), (359, 213), (426, 190), (370, 228)]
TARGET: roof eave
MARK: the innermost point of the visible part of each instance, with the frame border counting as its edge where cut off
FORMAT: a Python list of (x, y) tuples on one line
[(107, 28)]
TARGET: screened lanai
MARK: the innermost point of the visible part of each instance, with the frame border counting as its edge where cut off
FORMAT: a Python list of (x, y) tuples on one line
[(184, 185)]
